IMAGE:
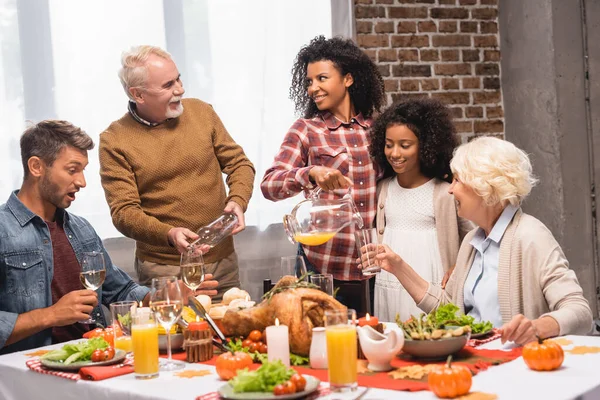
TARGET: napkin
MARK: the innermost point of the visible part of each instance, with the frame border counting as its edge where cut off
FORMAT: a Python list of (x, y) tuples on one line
[(478, 342), (36, 365), (104, 372)]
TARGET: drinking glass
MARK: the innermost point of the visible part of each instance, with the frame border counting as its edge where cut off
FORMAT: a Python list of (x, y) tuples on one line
[(167, 304), (144, 335), (93, 272), (293, 265), (192, 268), (324, 282), (340, 332), (366, 242), (121, 313)]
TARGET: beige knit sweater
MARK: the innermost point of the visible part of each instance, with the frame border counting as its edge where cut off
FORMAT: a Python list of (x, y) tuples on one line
[(171, 175), (450, 228), (534, 278)]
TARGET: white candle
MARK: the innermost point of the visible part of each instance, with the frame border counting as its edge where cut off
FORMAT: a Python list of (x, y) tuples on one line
[(143, 313), (278, 343)]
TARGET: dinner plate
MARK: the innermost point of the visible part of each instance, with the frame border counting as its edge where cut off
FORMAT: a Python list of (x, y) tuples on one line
[(119, 356), (226, 392)]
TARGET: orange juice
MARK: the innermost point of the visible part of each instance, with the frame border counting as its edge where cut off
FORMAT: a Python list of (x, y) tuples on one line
[(145, 350), (314, 239), (124, 343), (341, 355)]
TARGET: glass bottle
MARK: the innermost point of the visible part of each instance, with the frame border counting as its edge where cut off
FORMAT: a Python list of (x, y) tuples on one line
[(211, 234)]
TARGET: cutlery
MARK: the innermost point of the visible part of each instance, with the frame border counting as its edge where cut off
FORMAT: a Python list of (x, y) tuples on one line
[(199, 310)]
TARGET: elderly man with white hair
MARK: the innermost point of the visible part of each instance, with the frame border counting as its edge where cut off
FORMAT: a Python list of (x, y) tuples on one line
[(161, 166), (510, 270)]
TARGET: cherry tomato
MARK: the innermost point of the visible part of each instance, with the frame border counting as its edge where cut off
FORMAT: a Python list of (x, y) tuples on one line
[(290, 387), (263, 348), (299, 381), (253, 347), (279, 390), (247, 343), (98, 355), (109, 353), (255, 336), (264, 336)]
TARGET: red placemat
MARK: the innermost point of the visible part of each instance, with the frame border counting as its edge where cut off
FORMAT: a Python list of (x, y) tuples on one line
[(475, 359)]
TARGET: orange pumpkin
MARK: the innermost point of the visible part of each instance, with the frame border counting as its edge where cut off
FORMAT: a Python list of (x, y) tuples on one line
[(543, 355), (229, 363), (450, 381)]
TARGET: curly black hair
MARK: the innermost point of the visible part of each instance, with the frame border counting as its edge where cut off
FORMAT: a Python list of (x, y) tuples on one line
[(431, 122), (367, 92)]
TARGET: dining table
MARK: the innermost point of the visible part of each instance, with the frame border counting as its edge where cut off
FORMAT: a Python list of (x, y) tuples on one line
[(577, 378)]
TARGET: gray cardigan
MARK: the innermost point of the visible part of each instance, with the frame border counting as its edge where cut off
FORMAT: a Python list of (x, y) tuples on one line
[(534, 278), (450, 228)]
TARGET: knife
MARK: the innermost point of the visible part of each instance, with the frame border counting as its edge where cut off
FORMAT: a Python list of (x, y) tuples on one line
[(199, 310)]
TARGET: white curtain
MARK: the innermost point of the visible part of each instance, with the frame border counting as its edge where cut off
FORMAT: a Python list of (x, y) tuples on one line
[(59, 59)]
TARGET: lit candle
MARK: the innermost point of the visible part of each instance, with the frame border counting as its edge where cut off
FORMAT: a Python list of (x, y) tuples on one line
[(197, 325), (143, 312), (368, 320), (279, 343)]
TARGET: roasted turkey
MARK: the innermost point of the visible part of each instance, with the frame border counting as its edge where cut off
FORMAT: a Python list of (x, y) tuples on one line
[(301, 309)]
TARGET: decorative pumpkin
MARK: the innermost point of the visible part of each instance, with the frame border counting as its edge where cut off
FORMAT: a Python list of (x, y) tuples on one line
[(229, 363), (543, 355), (450, 381)]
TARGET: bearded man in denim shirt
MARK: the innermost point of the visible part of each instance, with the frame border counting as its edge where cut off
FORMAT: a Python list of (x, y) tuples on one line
[(41, 246)]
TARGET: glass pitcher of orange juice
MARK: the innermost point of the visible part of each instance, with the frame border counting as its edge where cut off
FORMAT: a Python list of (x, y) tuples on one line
[(319, 217)]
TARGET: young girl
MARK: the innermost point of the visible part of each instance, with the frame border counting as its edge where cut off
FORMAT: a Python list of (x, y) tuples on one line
[(337, 88), (413, 143)]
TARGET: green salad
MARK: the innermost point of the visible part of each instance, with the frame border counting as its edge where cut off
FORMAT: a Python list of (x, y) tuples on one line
[(236, 345), (264, 379), (449, 315), (72, 352)]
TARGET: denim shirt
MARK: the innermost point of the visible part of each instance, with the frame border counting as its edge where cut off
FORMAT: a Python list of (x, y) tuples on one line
[(27, 268)]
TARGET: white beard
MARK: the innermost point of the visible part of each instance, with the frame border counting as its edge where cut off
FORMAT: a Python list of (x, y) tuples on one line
[(176, 112)]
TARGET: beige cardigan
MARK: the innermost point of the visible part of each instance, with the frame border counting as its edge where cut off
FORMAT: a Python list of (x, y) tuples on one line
[(450, 228), (534, 278)]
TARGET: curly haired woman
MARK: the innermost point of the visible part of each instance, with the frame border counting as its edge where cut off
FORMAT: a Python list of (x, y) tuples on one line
[(337, 88), (510, 270), (413, 142)]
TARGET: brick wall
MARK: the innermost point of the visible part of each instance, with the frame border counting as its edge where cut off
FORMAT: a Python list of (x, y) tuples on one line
[(446, 49)]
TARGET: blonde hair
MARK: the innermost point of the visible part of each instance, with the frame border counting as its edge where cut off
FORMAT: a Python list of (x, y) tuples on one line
[(495, 169), (133, 72)]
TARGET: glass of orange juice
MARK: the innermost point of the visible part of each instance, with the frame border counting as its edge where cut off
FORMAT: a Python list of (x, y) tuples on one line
[(340, 331), (121, 312), (144, 335)]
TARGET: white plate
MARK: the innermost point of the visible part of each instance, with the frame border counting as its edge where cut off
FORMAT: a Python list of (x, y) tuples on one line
[(226, 391), (119, 356)]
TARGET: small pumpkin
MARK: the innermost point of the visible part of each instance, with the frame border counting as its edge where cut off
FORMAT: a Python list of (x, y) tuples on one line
[(229, 363), (543, 355), (449, 381)]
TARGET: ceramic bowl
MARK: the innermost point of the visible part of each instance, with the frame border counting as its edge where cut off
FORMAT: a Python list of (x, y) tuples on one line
[(176, 342), (434, 349)]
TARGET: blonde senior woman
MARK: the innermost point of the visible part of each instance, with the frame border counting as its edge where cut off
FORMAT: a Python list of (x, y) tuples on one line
[(510, 271)]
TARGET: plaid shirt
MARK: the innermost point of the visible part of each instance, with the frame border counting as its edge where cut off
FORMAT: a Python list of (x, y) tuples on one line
[(326, 141)]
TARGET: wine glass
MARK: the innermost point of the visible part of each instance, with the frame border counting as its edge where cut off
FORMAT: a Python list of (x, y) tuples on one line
[(192, 268), (167, 304), (93, 272)]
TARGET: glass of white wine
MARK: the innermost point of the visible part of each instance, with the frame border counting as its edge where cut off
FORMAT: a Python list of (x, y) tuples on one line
[(166, 302), (93, 272), (192, 268)]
